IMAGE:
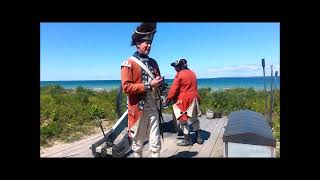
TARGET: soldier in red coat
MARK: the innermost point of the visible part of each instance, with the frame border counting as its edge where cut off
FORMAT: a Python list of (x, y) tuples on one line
[(143, 117), (184, 92)]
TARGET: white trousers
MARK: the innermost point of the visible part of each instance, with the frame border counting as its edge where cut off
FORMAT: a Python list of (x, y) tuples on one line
[(148, 129)]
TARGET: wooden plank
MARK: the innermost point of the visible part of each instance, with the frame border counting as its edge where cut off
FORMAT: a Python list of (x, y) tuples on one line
[(172, 144), (207, 147), (86, 149), (215, 138), (63, 146), (217, 150), (197, 147), (75, 150), (172, 148), (170, 140), (204, 122), (211, 126), (169, 147), (86, 154), (71, 148), (187, 151), (63, 150), (46, 152), (79, 148)]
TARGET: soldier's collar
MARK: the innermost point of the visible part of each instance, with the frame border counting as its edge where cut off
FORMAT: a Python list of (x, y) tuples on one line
[(139, 55)]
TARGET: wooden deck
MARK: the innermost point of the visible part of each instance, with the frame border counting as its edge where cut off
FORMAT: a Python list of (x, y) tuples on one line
[(212, 132)]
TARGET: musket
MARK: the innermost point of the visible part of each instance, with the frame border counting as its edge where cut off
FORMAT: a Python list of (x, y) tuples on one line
[(159, 107), (162, 90)]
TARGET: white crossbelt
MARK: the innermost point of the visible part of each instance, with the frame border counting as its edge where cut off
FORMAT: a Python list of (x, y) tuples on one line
[(144, 67)]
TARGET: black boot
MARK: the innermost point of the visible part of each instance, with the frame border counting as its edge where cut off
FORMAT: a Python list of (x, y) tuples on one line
[(199, 140), (185, 141), (180, 133)]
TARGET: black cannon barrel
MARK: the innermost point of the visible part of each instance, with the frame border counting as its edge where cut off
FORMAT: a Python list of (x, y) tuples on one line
[(248, 127)]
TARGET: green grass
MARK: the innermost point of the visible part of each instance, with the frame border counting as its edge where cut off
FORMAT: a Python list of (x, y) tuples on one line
[(67, 115)]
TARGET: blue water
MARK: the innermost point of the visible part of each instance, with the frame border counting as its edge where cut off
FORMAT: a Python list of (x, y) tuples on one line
[(214, 83)]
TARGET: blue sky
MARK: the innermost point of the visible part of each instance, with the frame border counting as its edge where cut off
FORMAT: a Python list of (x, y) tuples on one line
[(95, 51)]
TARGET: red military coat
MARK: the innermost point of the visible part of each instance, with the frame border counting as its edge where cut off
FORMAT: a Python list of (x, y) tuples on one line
[(184, 90), (132, 85)]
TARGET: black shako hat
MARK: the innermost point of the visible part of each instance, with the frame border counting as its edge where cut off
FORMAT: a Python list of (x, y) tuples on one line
[(144, 32)]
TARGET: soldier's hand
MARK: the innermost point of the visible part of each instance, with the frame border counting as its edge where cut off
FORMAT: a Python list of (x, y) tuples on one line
[(167, 101), (156, 82)]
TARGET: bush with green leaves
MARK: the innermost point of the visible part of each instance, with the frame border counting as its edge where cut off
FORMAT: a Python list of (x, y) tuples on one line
[(230, 100), (95, 112), (68, 114)]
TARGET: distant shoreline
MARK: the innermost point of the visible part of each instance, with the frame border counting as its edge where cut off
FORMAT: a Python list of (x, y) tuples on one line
[(167, 79), (256, 83), (212, 89)]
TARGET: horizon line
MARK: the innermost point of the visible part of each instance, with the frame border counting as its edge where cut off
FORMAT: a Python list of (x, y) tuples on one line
[(165, 78)]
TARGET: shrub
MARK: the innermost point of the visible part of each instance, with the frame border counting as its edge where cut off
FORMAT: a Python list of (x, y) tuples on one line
[(67, 114)]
